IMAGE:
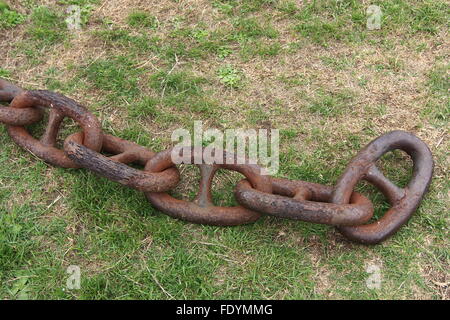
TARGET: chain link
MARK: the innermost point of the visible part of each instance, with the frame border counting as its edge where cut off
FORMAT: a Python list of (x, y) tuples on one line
[(258, 194)]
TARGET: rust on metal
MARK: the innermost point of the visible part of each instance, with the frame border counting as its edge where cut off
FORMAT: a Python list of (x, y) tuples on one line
[(306, 201), (8, 91), (258, 194), (60, 107), (201, 209), (13, 116), (403, 201), (20, 117), (115, 168)]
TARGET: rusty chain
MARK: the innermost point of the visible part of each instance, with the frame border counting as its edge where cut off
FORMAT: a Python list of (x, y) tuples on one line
[(257, 194)]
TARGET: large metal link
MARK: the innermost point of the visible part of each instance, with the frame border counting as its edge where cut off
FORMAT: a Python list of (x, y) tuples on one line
[(115, 167), (404, 201), (60, 107), (201, 209), (306, 201), (8, 91), (14, 116)]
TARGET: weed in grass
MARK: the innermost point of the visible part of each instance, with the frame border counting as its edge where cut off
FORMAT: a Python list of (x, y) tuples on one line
[(381, 109), (9, 18), (20, 288), (223, 52), (230, 76), (362, 81)]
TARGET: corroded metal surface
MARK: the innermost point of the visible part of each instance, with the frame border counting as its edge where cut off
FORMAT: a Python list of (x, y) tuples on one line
[(403, 201), (60, 107), (258, 194), (115, 168), (8, 91), (201, 209), (306, 201), (13, 116)]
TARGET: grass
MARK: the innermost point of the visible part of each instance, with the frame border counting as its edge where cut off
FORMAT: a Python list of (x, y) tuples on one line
[(141, 19), (9, 18), (113, 76), (310, 69), (332, 103), (47, 26)]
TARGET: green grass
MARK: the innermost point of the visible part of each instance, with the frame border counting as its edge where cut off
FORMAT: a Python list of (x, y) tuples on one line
[(332, 103), (176, 82), (44, 29), (142, 19), (9, 18), (113, 76), (4, 73), (310, 69), (257, 48), (327, 21), (250, 28), (438, 106), (47, 26)]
